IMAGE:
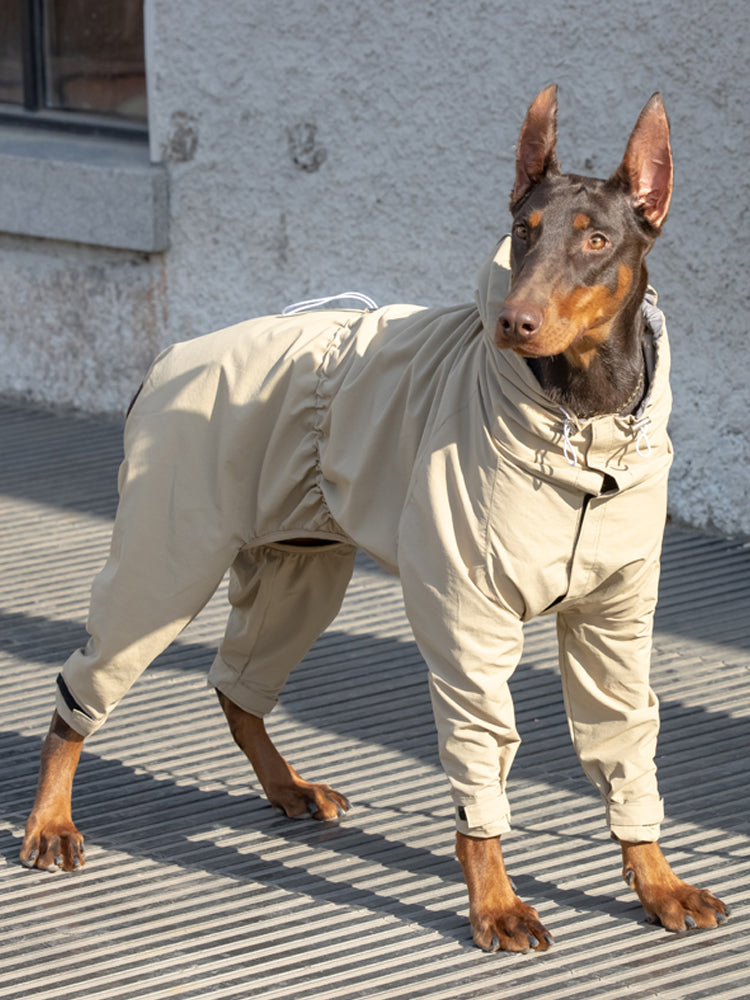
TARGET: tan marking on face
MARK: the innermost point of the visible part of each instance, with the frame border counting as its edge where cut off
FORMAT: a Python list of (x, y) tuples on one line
[(535, 218), (596, 307), (576, 324), (581, 221)]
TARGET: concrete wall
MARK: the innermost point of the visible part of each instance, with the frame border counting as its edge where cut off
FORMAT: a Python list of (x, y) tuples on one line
[(313, 146)]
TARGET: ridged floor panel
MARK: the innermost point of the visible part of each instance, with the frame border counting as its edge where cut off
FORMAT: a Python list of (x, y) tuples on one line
[(195, 888)]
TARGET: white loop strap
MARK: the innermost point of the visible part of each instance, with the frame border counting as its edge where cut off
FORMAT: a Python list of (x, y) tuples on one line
[(642, 444), (308, 304), (568, 450)]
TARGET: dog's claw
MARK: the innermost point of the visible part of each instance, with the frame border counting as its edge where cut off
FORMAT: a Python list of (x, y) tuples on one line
[(494, 943), (721, 918), (629, 877), (690, 922), (533, 942)]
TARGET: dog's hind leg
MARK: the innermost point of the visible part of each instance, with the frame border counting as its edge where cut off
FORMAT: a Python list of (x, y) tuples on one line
[(284, 787), (283, 596)]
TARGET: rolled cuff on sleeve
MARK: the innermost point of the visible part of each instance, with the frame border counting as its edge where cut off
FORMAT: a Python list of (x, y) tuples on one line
[(486, 816), (70, 711), (255, 699), (636, 822)]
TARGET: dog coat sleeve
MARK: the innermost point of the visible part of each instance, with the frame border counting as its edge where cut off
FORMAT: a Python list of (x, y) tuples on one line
[(470, 641), (605, 644), (172, 541)]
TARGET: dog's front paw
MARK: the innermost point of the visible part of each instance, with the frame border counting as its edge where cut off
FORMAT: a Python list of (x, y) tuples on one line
[(679, 907), (499, 920), (52, 843), (666, 899), (515, 927)]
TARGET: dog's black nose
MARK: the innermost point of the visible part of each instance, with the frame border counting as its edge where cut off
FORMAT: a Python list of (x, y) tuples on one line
[(519, 320)]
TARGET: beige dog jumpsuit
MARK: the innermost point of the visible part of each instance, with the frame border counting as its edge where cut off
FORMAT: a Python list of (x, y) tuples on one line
[(406, 433)]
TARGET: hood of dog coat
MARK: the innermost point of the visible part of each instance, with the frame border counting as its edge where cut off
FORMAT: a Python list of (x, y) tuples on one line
[(550, 442), (493, 285)]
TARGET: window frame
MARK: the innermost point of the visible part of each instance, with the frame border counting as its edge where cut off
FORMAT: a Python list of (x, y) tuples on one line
[(32, 113), (55, 167)]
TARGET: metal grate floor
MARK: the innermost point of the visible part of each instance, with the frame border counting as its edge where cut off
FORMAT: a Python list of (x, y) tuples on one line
[(195, 888)]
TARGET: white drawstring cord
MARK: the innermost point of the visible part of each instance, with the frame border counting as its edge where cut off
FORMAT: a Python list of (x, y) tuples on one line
[(568, 450), (640, 426), (308, 304)]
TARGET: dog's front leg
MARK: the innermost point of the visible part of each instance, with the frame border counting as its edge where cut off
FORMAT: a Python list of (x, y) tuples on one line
[(51, 840), (499, 920), (284, 788), (677, 905)]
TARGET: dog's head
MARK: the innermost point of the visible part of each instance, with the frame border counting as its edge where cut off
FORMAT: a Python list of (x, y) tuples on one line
[(579, 243)]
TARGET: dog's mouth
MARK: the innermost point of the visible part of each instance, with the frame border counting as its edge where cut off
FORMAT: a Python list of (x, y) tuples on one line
[(544, 343)]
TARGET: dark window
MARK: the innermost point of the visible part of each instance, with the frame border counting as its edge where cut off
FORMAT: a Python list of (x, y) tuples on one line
[(73, 62), (11, 57)]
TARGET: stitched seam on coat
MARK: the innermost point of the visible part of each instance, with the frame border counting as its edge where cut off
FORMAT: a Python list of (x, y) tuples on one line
[(321, 406)]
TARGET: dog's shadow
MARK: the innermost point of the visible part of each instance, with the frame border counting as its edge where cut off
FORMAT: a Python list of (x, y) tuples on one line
[(159, 820)]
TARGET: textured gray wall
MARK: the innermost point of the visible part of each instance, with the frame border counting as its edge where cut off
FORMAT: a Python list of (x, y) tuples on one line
[(314, 145)]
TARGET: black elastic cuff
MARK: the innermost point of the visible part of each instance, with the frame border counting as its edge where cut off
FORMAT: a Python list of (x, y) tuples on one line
[(69, 699)]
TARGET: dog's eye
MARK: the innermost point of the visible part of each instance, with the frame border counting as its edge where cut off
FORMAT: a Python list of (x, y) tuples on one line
[(597, 241), (521, 230)]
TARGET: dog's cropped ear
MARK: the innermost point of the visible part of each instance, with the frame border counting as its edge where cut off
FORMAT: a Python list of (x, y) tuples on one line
[(646, 170), (535, 155)]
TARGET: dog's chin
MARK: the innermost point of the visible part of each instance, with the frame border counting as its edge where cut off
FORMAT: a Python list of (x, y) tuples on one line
[(523, 350)]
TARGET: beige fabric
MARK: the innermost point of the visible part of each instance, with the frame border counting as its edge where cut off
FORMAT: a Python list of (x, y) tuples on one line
[(404, 432), (282, 598)]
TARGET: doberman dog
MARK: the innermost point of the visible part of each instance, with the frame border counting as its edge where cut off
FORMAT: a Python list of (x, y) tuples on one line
[(578, 263), (573, 313)]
